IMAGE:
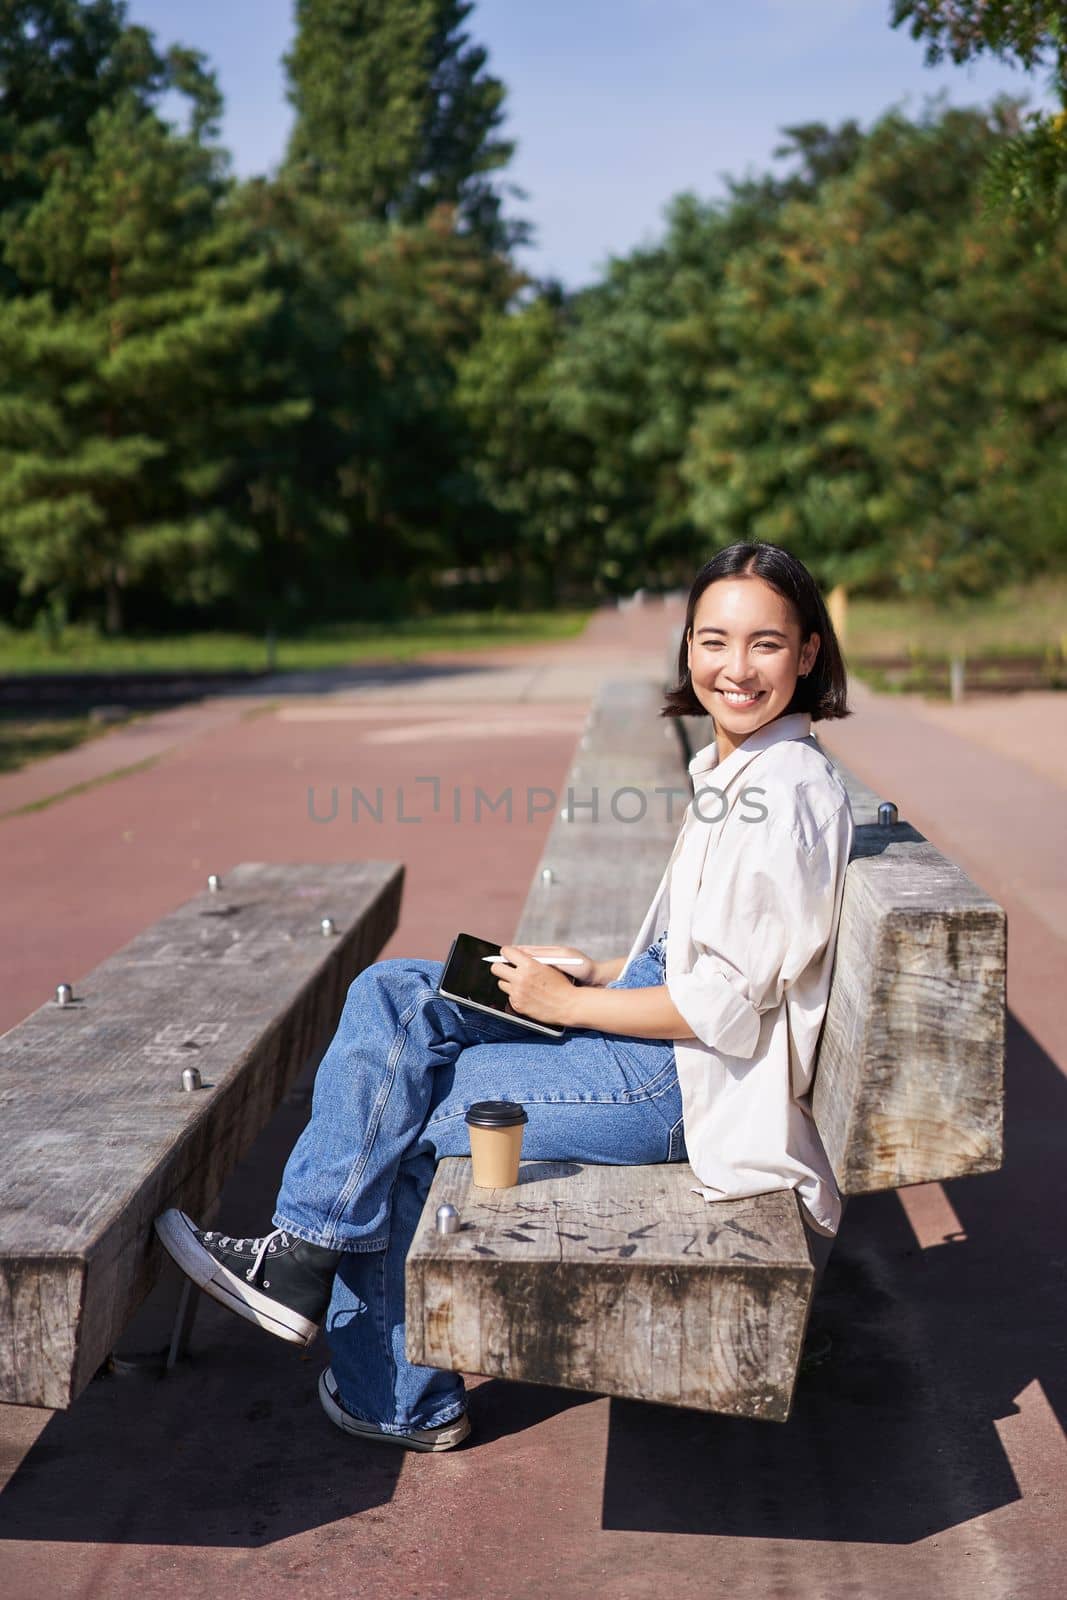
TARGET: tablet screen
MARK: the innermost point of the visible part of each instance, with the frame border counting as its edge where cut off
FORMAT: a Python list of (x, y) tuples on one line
[(471, 978), (468, 977)]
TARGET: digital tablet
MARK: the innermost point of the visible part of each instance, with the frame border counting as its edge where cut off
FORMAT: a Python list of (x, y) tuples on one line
[(468, 978)]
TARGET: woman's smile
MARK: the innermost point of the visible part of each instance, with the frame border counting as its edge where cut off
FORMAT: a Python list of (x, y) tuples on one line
[(741, 698)]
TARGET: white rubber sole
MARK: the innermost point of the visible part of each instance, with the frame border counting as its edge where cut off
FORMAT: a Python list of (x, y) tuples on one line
[(178, 1238), (445, 1438)]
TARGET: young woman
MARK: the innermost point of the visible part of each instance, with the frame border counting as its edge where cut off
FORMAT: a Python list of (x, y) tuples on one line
[(700, 1042)]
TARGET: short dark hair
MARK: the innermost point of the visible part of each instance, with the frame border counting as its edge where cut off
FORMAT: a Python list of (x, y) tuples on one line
[(824, 692)]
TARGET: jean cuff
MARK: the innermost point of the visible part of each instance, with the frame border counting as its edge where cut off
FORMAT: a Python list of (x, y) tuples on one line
[(440, 1419), (360, 1246)]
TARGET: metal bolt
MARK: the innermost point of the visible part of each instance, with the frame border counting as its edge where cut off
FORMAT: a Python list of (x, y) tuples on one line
[(887, 814), (64, 994), (191, 1078), (214, 882), (447, 1219), (547, 875), (328, 928)]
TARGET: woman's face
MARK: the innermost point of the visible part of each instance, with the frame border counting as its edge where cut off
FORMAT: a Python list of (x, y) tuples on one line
[(745, 655)]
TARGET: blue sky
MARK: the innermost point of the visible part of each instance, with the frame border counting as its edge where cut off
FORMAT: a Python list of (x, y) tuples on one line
[(617, 106)]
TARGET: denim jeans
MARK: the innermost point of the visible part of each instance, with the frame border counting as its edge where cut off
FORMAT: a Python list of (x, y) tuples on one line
[(389, 1102)]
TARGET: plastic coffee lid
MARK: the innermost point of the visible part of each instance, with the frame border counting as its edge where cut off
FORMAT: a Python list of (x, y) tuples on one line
[(496, 1114)]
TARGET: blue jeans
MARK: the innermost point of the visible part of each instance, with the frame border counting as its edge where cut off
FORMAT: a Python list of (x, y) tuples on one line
[(389, 1102)]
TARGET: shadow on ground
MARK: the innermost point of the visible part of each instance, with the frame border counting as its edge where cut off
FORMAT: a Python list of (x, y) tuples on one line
[(892, 1436), (50, 694)]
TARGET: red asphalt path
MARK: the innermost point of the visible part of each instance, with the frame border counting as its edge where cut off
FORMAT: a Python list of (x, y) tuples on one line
[(927, 1453)]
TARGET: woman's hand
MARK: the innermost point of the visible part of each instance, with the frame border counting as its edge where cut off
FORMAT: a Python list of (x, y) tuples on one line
[(533, 989), (583, 972)]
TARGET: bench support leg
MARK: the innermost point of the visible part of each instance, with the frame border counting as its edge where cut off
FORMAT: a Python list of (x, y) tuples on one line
[(184, 1317)]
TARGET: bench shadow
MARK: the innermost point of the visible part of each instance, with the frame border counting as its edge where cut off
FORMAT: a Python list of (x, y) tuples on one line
[(892, 1437), (232, 1449), (545, 1171)]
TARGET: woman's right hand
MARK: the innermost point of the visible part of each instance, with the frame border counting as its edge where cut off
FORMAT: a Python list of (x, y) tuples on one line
[(584, 969)]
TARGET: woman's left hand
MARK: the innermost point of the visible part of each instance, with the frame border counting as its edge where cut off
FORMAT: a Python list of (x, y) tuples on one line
[(537, 991)]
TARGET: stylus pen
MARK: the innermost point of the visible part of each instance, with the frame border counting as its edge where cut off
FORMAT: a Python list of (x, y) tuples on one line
[(547, 961)]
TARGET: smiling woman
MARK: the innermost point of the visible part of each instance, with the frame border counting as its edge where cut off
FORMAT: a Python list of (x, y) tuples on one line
[(699, 1042)]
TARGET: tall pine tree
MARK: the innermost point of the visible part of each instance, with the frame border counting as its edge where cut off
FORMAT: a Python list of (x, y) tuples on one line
[(396, 113), (61, 62), (134, 380)]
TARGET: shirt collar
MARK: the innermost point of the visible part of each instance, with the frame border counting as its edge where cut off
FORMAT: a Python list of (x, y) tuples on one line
[(797, 725)]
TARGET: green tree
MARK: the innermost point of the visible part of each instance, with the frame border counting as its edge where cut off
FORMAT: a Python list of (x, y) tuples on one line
[(133, 389), (375, 319), (580, 409), (1030, 167), (396, 113), (62, 62), (895, 391), (531, 468)]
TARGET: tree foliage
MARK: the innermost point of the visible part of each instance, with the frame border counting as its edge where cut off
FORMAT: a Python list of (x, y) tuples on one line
[(396, 113), (319, 395), (1029, 169), (129, 347)]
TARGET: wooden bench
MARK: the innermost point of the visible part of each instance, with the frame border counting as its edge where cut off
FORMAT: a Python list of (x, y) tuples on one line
[(621, 1280), (99, 1135)]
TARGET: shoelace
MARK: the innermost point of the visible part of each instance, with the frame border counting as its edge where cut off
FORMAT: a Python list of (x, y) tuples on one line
[(260, 1246)]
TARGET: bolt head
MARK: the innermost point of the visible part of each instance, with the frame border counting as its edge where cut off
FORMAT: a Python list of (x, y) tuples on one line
[(214, 882), (328, 927), (64, 994), (547, 875), (191, 1079)]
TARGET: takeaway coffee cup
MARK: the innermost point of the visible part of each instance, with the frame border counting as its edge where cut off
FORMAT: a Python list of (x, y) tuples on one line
[(496, 1142)]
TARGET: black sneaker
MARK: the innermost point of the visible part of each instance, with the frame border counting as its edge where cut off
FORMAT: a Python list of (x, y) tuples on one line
[(276, 1281), (444, 1438)]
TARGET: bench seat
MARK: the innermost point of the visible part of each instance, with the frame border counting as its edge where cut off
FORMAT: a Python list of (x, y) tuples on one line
[(617, 1280)]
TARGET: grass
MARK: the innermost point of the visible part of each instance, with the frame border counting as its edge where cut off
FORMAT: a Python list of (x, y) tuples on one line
[(1028, 619), (82, 649), (79, 788), (26, 737)]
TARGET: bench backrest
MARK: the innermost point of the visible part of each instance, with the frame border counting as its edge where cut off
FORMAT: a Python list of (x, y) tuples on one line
[(909, 1080)]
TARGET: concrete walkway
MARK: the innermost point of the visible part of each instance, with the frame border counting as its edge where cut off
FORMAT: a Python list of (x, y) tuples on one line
[(926, 1453)]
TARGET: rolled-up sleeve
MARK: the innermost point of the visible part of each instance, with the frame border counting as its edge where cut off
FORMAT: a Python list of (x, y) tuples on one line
[(765, 911)]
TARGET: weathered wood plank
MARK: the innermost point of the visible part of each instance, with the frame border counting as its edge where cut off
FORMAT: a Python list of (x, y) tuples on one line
[(98, 1135), (909, 1086), (605, 869), (616, 1279)]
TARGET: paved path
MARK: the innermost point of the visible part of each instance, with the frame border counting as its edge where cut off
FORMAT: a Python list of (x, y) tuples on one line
[(926, 1454)]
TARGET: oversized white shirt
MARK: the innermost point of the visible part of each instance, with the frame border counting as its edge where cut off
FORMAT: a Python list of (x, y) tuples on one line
[(751, 899)]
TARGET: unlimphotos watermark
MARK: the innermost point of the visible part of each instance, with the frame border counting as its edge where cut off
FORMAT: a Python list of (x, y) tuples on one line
[(626, 803)]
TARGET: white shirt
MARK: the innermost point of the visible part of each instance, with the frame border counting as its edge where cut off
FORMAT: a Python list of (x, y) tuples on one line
[(751, 899)]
